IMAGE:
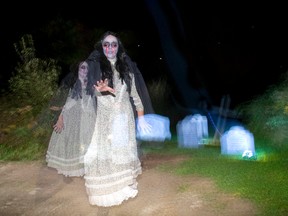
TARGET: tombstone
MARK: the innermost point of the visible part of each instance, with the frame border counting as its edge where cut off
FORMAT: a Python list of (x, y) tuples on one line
[(160, 129), (192, 131), (237, 141)]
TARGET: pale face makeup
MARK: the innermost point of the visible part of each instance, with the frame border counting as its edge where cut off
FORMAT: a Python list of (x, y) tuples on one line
[(82, 73), (110, 47)]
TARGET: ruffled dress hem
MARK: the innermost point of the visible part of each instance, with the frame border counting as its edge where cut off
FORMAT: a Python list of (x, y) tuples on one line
[(115, 198)]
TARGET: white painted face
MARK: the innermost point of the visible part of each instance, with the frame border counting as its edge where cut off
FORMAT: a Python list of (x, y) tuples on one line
[(110, 47), (82, 73)]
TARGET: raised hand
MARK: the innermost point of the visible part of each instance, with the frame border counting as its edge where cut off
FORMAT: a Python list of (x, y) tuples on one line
[(102, 86)]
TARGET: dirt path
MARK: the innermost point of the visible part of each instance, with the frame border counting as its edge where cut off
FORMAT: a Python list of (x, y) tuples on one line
[(32, 189)]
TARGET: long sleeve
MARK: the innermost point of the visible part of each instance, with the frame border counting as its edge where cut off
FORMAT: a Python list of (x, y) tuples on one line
[(140, 86), (136, 98)]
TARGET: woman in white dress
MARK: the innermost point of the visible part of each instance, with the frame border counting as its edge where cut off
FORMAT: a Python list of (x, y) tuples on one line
[(111, 163), (74, 128)]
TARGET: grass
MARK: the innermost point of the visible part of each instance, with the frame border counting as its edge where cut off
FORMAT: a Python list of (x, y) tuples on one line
[(21, 139), (264, 181), (21, 146)]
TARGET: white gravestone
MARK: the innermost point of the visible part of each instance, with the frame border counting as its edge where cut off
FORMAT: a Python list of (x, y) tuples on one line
[(192, 131), (237, 140)]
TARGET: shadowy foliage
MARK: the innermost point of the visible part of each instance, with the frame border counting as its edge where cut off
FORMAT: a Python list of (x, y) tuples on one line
[(35, 80), (267, 115)]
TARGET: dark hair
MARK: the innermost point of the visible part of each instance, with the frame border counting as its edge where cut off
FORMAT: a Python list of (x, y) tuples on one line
[(120, 65), (71, 81)]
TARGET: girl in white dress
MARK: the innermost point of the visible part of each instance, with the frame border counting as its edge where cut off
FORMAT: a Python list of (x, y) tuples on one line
[(111, 163), (73, 130)]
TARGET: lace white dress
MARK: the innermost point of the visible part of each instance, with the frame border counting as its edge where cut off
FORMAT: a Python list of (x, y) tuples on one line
[(111, 162), (66, 150)]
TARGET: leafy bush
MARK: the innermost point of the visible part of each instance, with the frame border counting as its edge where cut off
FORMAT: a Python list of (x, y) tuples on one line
[(35, 80), (267, 115)]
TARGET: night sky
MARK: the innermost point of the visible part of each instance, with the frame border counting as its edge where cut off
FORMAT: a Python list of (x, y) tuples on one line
[(207, 50)]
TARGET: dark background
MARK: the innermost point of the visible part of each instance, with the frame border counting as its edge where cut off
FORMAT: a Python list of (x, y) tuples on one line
[(206, 50)]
